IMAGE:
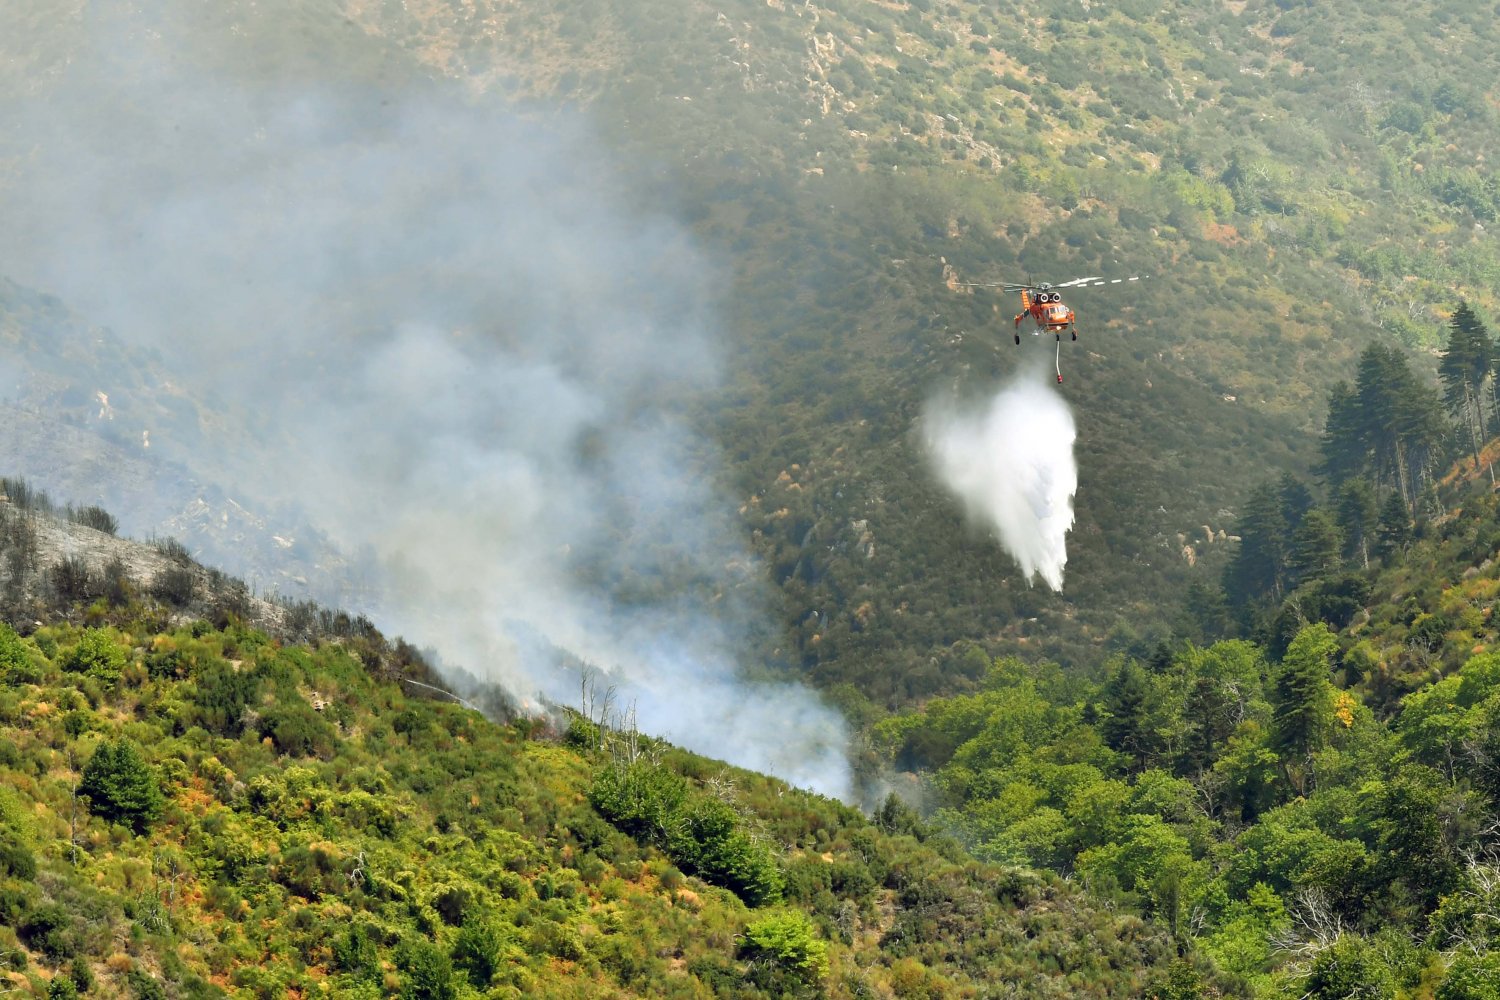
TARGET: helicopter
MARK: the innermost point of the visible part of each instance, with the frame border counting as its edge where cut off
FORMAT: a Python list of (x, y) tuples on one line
[(1042, 301)]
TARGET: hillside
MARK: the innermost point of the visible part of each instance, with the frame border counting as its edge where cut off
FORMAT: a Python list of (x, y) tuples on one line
[(200, 810), (590, 347), (196, 807), (823, 164), (632, 318), (1310, 801)]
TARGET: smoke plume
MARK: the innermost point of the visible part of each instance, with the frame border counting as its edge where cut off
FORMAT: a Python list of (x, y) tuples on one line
[(459, 340), (1009, 461)]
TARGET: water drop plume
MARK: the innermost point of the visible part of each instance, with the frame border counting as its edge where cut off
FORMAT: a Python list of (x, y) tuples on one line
[(1009, 460)]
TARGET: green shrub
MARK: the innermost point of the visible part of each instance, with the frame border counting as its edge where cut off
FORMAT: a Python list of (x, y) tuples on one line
[(50, 930), (81, 975), (582, 734), (16, 663), (143, 986), (223, 695), (1471, 978), (355, 952), (702, 835), (16, 858), (478, 951), (96, 655), (298, 730), (1349, 967), (642, 798), (709, 843), (427, 973), (787, 942)]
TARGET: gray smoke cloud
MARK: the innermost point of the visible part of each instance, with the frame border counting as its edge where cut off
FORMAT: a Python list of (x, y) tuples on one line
[(1009, 460), (456, 338)]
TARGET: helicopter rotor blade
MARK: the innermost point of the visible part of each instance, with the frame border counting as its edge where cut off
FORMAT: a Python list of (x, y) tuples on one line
[(1092, 282), (1007, 286), (1015, 286)]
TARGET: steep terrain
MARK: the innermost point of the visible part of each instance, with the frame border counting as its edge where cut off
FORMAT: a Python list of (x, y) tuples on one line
[(108, 424), (1294, 182), (750, 220), (201, 810)]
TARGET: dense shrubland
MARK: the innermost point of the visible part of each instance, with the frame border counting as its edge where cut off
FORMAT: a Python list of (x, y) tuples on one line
[(206, 810), (1287, 836)]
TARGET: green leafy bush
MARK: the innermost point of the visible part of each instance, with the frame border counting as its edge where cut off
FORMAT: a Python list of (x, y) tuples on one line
[(223, 694), (96, 655), (427, 973), (708, 842), (16, 857), (51, 930), (478, 951), (701, 834), (642, 798), (788, 942), (298, 730), (143, 986), (16, 663)]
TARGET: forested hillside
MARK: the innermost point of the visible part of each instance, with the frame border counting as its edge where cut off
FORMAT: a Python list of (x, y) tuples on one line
[(1295, 181), (199, 808), (1301, 783), (1248, 751)]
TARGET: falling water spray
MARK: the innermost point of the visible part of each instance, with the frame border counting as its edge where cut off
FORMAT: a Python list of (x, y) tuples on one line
[(1009, 460)]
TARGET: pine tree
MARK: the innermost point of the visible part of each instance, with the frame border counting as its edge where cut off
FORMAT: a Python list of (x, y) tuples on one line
[(1315, 547), (1128, 700), (1401, 421), (1355, 511), (1464, 371), (1302, 697), (1346, 451), (120, 786), (1394, 529), (1258, 568), (1295, 499)]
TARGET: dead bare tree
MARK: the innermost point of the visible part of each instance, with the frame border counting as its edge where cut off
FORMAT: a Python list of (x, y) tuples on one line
[(1315, 925)]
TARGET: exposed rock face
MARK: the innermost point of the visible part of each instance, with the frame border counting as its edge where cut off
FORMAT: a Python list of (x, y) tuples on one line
[(93, 422)]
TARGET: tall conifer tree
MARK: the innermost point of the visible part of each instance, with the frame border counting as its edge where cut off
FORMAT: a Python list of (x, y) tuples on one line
[(1465, 373), (1258, 568)]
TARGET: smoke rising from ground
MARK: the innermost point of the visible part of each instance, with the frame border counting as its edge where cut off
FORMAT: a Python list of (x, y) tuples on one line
[(456, 338), (1009, 461)]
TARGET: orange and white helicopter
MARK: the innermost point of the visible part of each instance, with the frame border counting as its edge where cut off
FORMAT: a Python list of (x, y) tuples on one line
[(1043, 302)]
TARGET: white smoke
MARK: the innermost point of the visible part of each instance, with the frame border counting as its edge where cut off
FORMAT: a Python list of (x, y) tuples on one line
[(457, 339), (1009, 460)]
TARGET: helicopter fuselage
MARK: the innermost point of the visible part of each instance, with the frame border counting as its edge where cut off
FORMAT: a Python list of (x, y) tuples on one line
[(1047, 311)]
